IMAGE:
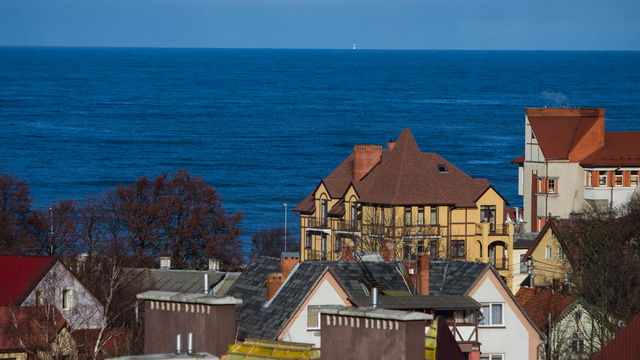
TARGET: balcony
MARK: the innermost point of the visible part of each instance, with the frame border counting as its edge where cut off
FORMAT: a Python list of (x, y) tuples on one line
[(316, 255), (347, 225), (500, 264), (318, 223), (493, 229)]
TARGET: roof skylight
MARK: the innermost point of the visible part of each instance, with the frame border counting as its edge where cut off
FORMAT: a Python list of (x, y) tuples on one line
[(443, 168)]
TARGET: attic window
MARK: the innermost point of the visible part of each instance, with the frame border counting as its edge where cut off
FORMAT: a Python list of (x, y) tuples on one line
[(442, 168)]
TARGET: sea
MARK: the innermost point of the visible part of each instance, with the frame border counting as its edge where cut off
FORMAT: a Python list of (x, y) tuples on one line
[(264, 126)]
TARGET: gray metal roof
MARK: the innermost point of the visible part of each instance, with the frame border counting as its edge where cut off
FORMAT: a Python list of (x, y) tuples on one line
[(420, 302), (523, 241), (189, 298), (257, 321), (183, 281), (453, 277)]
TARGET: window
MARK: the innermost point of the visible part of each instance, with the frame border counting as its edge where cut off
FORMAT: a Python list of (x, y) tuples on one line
[(577, 342), (420, 246), (552, 186), (434, 215), (309, 237), (67, 298), (376, 215), (324, 212), (457, 249), (634, 178), (433, 248), (523, 264), (407, 216), (39, 297), (354, 214), (443, 168), (323, 247), (491, 357), (618, 178), (547, 252), (420, 216), (560, 254), (491, 315), (338, 246), (603, 178), (382, 215), (465, 317), (313, 317), (407, 251), (488, 214), (589, 178)]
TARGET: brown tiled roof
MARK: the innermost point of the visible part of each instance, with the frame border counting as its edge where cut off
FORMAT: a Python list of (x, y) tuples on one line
[(404, 176), (518, 160), (407, 176), (558, 135), (621, 148), (625, 346), (338, 208), (539, 302)]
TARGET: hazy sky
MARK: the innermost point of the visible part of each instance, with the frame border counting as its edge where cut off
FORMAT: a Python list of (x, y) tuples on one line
[(325, 24)]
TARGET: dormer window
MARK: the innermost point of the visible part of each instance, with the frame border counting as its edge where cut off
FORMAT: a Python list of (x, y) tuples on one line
[(443, 168)]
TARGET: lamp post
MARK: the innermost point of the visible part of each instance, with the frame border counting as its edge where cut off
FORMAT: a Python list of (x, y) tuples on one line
[(285, 227)]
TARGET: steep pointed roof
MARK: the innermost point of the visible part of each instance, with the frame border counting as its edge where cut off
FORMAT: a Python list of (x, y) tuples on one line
[(407, 176), (19, 275)]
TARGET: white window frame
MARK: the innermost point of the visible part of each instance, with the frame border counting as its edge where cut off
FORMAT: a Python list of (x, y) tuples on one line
[(309, 310), (492, 357), (618, 175), (552, 186), (634, 178), (67, 299), (601, 177), (560, 254), (488, 317), (547, 252)]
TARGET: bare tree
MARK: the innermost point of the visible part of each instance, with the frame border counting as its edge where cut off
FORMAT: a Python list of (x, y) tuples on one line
[(15, 206), (271, 242)]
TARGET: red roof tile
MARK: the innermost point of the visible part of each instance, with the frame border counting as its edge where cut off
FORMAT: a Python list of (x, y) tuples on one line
[(19, 275), (36, 326), (539, 302), (518, 160), (621, 148), (625, 346), (558, 135)]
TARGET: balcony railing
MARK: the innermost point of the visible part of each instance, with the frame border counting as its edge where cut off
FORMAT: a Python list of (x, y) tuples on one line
[(501, 264), (494, 229), (348, 225), (316, 255), (318, 222)]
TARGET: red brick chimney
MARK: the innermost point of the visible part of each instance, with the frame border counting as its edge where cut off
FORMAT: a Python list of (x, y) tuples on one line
[(390, 145), (347, 253), (388, 249), (274, 281), (423, 274), (288, 262), (366, 157)]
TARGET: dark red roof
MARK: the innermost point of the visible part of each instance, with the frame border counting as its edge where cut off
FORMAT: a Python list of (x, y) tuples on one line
[(559, 135), (625, 346), (447, 347), (518, 160), (621, 148), (539, 302), (36, 326), (19, 275)]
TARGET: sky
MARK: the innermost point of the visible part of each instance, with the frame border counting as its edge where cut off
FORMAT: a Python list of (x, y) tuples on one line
[(325, 24)]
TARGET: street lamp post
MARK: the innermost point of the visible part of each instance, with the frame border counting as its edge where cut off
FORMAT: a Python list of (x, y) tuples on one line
[(285, 227)]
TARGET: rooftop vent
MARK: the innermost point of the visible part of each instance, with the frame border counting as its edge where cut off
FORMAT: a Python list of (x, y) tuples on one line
[(165, 262)]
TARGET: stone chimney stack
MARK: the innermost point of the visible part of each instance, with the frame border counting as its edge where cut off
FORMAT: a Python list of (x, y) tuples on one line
[(366, 157), (423, 274)]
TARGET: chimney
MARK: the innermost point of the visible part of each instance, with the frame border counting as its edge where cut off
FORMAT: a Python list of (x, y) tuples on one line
[(388, 249), (375, 292), (205, 286), (165, 263), (390, 145), (214, 264), (347, 253), (423, 274), (366, 157), (274, 281)]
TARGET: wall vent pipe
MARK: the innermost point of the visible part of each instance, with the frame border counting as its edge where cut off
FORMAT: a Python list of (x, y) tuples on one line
[(178, 344), (206, 284), (190, 344), (374, 298)]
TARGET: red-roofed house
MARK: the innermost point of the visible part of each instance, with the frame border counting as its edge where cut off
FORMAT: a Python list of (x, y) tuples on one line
[(402, 201), (570, 160), (625, 346), (36, 281), (35, 332)]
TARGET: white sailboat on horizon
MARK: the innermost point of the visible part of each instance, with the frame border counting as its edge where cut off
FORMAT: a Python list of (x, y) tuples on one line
[(354, 46)]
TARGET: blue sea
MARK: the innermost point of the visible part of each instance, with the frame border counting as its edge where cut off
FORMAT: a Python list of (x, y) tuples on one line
[(264, 126)]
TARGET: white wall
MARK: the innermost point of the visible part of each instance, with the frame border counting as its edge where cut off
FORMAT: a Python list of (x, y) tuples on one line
[(86, 312), (325, 295), (512, 339)]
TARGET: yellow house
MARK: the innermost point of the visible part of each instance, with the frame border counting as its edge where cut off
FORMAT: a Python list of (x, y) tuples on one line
[(547, 257), (401, 202)]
